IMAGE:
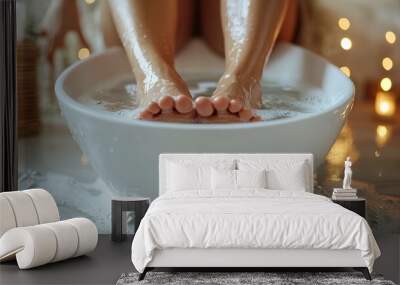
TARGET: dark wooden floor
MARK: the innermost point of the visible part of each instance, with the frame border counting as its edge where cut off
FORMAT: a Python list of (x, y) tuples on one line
[(111, 259), (103, 266)]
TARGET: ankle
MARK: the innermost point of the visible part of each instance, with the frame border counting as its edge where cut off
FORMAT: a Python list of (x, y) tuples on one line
[(246, 80)]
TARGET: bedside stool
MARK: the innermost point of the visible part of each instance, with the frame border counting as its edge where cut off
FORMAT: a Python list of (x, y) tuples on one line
[(358, 205), (119, 205)]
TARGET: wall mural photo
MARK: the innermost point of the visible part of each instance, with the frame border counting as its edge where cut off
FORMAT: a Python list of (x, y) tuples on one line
[(104, 87)]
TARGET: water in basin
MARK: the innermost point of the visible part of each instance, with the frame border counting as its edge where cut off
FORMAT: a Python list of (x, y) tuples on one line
[(118, 97)]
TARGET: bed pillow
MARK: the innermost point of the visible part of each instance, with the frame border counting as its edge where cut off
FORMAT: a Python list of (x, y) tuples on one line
[(181, 177), (193, 175), (292, 178), (226, 179), (223, 179), (281, 174), (251, 179)]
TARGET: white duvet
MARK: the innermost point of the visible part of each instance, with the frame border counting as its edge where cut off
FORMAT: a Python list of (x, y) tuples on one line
[(250, 219)]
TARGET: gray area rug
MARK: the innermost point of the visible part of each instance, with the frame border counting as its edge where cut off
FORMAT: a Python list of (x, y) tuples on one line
[(232, 278)]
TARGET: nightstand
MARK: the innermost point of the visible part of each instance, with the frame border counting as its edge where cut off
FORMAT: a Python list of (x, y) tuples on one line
[(119, 205), (358, 205)]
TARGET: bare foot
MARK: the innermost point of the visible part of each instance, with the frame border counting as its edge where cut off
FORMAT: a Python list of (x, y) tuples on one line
[(232, 102), (167, 100), (177, 109)]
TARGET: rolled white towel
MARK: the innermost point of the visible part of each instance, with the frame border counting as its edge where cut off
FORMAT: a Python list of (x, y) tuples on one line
[(40, 244)]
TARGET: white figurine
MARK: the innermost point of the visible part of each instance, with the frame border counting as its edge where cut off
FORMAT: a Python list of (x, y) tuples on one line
[(347, 174)]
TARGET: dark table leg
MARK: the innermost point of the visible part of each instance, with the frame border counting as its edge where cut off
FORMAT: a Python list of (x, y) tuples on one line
[(364, 271), (116, 217), (143, 274)]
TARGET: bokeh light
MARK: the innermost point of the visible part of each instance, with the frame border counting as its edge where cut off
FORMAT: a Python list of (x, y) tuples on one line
[(346, 70), (83, 53), (385, 104), (382, 131), (383, 134), (386, 84), (344, 24), (90, 1), (387, 63), (390, 37), (346, 43)]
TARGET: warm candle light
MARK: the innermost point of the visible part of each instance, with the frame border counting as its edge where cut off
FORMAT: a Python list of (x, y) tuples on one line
[(387, 63), (383, 134), (390, 37), (386, 84), (346, 70), (385, 104), (344, 24), (346, 43)]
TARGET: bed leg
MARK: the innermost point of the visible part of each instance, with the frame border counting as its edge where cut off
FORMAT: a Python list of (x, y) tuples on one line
[(364, 271), (143, 274)]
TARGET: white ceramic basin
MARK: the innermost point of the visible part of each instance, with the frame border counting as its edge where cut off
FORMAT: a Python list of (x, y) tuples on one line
[(125, 152)]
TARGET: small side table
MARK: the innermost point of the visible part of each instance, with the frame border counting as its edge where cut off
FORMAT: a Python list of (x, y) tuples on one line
[(358, 205), (119, 205)]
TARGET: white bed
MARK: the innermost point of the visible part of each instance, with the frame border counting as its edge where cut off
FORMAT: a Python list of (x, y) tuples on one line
[(250, 227)]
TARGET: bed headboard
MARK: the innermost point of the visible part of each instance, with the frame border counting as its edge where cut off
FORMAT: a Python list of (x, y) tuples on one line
[(165, 157)]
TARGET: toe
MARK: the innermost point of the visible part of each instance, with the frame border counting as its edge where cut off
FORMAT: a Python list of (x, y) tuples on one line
[(183, 104), (256, 118), (153, 108), (145, 115), (204, 106), (166, 103), (235, 106), (220, 103), (245, 115)]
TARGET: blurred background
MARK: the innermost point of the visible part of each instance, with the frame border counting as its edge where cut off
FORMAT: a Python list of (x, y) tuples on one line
[(361, 37)]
